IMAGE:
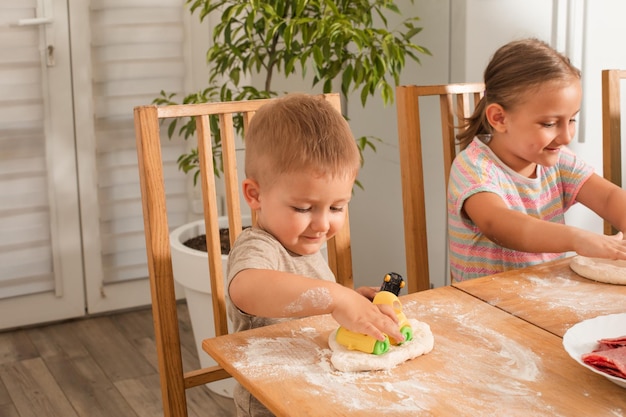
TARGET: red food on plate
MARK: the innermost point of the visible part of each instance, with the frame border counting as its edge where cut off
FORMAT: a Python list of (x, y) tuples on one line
[(611, 343), (610, 357)]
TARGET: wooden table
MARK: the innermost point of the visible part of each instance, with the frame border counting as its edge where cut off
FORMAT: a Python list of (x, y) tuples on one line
[(550, 295), (486, 362)]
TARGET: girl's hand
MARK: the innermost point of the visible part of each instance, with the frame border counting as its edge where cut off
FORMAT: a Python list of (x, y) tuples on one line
[(594, 245)]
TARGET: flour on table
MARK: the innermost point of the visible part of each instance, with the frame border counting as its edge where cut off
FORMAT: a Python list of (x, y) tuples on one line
[(347, 360), (602, 270)]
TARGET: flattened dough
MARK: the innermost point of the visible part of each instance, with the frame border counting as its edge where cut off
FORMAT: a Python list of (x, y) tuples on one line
[(347, 360), (602, 270)]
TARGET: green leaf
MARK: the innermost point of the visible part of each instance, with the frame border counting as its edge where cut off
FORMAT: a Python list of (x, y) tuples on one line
[(288, 36), (171, 128), (328, 86), (318, 56), (346, 80), (290, 65), (364, 94)]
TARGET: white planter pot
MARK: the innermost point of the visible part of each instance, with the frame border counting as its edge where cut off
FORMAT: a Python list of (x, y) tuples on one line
[(191, 270)]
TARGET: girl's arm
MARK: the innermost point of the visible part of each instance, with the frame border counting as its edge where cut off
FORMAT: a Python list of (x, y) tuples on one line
[(519, 231), (606, 199), (270, 293)]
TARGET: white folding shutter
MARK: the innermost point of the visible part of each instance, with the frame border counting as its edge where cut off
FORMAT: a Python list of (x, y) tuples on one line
[(137, 49), (26, 260), (41, 270)]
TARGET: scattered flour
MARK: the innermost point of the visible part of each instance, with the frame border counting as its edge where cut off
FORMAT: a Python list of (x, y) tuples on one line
[(308, 330), (521, 362), (315, 297), (568, 294)]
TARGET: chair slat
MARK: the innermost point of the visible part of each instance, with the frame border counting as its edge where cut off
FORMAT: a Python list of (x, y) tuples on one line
[(156, 229), (611, 130), (229, 158), (412, 178), (209, 198)]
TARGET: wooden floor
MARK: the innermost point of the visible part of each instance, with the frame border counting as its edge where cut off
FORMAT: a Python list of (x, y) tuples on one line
[(97, 367)]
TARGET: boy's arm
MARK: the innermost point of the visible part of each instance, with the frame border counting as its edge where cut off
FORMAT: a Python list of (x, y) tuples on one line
[(269, 293), (519, 231)]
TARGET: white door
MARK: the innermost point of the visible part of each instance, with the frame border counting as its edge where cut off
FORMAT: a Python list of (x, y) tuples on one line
[(41, 268), (71, 223)]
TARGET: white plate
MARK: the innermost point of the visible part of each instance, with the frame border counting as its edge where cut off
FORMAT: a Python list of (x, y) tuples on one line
[(583, 338)]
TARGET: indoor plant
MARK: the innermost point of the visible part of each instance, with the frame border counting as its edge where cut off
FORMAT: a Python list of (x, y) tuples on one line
[(346, 41)]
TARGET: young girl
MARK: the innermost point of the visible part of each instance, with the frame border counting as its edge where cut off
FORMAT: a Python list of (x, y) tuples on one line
[(510, 188)]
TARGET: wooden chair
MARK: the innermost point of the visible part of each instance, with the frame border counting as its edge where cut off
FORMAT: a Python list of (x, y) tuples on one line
[(174, 381), (611, 130), (455, 100)]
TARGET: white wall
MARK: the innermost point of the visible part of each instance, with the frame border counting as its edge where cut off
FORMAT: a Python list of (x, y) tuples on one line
[(604, 36)]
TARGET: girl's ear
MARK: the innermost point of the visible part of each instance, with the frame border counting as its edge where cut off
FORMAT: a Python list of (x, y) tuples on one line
[(251, 192), (496, 116)]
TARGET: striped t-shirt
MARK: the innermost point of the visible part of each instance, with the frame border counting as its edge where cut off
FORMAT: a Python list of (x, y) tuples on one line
[(547, 197)]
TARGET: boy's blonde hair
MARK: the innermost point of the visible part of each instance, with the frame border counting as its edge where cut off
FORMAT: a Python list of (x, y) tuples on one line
[(296, 132)]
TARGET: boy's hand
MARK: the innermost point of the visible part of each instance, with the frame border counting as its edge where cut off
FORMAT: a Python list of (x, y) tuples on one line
[(368, 292), (358, 314)]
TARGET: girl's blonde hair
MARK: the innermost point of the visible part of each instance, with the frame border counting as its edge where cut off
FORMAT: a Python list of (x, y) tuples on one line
[(299, 131), (514, 69)]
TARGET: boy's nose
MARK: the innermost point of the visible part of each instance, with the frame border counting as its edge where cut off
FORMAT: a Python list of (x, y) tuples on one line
[(320, 223)]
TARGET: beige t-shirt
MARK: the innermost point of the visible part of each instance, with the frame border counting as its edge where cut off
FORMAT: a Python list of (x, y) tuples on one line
[(257, 249)]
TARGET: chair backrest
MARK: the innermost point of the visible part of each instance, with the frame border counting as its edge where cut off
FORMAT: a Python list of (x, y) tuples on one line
[(611, 130), (174, 381), (456, 101)]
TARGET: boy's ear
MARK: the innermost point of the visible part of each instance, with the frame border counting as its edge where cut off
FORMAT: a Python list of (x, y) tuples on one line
[(250, 189), (496, 116)]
